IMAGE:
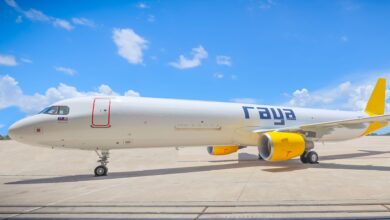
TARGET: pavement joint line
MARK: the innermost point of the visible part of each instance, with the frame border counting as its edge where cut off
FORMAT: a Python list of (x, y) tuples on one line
[(28, 211), (200, 205), (82, 194), (246, 184), (201, 213), (386, 206), (211, 213), (58, 201), (179, 206)]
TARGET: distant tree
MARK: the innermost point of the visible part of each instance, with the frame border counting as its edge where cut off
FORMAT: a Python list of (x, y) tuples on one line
[(4, 137), (373, 134)]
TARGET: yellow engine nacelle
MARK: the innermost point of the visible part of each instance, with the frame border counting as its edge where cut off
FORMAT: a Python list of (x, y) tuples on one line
[(222, 150), (278, 146)]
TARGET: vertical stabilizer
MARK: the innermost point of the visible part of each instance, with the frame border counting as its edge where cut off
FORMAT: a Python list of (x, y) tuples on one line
[(376, 103)]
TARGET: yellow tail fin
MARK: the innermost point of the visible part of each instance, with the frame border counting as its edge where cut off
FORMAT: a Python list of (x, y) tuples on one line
[(376, 103)]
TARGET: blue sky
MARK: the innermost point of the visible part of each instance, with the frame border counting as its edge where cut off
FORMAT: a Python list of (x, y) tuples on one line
[(324, 54)]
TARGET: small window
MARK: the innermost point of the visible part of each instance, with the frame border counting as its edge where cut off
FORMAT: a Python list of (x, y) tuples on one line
[(56, 110), (64, 110)]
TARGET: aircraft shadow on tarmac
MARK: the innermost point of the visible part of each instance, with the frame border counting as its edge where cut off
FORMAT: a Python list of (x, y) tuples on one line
[(244, 160)]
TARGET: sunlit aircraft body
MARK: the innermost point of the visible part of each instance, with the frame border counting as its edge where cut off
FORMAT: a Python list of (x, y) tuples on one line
[(280, 133)]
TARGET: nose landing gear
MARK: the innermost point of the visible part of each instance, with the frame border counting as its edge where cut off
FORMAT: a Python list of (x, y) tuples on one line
[(102, 170)]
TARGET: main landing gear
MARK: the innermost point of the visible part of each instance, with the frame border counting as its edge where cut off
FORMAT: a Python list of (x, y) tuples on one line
[(102, 170), (309, 157)]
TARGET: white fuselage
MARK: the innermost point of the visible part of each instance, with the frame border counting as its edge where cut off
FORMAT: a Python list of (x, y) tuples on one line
[(132, 122)]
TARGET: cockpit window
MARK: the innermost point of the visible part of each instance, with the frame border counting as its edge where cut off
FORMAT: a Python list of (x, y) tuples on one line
[(63, 110), (56, 110)]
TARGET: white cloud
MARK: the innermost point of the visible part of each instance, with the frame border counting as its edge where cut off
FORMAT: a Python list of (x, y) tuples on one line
[(234, 77), (130, 45), (266, 4), (302, 97), (25, 60), (12, 95), (218, 75), (11, 3), (345, 96), (19, 19), (63, 24), (106, 90), (1, 126), (36, 15), (349, 5), (66, 70), (344, 86), (344, 39), (7, 60), (151, 18), (198, 53), (131, 93), (244, 100), (142, 5), (224, 60), (9, 91), (83, 22)]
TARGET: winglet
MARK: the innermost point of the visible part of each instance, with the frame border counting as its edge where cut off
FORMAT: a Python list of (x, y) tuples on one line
[(376, 103)]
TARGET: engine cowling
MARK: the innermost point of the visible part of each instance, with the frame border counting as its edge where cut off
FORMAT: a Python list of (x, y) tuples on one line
[(222, 150), (279, 146)]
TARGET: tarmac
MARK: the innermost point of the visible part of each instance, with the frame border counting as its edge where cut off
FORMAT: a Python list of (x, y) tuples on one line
[(352, 181)]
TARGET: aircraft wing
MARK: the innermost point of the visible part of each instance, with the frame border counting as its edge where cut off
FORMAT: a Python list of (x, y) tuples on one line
[(375, 108), (372, 119), (374, 122)]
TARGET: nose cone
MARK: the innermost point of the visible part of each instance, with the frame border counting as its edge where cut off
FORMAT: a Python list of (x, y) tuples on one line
[(23, 130), (16, 130)]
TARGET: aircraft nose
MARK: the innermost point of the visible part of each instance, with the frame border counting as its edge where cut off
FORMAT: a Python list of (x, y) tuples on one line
[(15, 131), (23, 130)]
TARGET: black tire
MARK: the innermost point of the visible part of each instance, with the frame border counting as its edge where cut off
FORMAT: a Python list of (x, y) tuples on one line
[(260, 158), (312, 157), (304, 158), (101, 170)]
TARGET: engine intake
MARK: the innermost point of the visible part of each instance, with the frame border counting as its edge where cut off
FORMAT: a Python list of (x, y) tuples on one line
[(279, 146)]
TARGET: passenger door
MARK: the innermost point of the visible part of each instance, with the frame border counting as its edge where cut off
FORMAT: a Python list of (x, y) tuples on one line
[(101, 110)]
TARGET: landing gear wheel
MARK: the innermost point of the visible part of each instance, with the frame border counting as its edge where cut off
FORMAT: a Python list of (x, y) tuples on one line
[(312, 157), (304, 158), (101, 170), (260, 158), (103, 160)]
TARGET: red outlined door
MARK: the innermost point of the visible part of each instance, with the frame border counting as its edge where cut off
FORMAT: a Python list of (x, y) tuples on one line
[(101, 110)]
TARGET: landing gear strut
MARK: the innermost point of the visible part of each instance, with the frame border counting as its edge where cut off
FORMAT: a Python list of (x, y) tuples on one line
[(102, 170), (309, 157)]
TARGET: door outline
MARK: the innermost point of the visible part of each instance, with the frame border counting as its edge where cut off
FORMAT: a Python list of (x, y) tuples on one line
[(93, 125)]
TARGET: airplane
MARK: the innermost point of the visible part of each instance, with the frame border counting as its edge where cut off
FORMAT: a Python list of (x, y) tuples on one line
[(115, 122)]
